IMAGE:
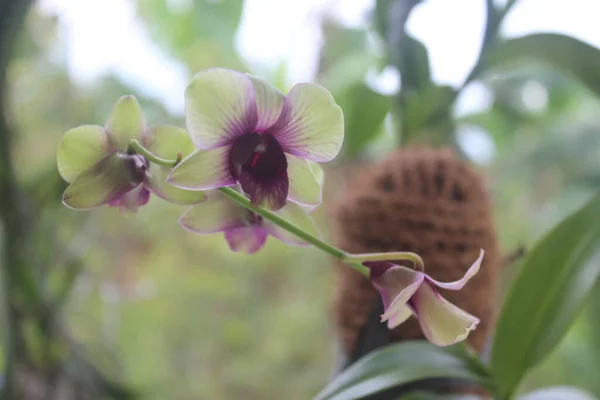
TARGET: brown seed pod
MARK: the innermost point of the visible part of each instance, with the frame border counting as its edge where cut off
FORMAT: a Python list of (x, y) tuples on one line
[(427, 201)]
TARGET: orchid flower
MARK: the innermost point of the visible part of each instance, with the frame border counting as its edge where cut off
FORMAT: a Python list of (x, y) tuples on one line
[(96, 162), (407, 292), (244, 230), (250, 133)]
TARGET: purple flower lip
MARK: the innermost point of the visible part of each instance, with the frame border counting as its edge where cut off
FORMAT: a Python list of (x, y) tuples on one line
[(258, 162), (244, 230)]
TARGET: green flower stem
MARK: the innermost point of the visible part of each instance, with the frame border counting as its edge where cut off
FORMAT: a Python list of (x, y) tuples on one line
[(277, 220), (141, 150), (353, 260), (393, 256)]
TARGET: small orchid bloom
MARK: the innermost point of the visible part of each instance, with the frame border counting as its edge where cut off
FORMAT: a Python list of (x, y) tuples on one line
[(96, 162), (407, 292), (244, 230), (250, 133)]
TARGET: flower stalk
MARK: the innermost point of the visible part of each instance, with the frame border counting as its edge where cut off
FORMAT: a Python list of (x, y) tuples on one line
[(353, 260), (136, 147)]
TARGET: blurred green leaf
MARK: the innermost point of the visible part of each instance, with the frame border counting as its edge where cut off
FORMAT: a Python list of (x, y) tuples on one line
[(428, 109), (396, 10), (413, 64), (567, 54), (558, 393), (201, 33), (551, 288), (364, 112), (400, 364), (433, 396)]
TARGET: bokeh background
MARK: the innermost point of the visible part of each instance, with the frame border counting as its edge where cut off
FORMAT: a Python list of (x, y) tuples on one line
[(172, 315)]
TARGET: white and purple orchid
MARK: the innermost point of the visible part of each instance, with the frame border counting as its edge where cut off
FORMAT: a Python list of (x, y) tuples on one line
[(250, 133), (407, 292), (244, 230), (96, 162)]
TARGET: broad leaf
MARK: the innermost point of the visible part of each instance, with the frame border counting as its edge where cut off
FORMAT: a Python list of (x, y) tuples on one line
[(567, 54), (401, 364), (558, 393), (412, 60), (546, 296), (429, 109), (364, 112)]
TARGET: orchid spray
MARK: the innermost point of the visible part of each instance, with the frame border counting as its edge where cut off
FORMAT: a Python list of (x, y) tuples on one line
[(247, 166)]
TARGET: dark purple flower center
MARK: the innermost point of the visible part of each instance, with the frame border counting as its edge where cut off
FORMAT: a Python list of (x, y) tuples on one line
[(257, 161), (136, 166), (253, 219)]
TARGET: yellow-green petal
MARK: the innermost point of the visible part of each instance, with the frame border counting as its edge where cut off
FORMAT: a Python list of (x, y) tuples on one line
[(203, 170), (105, 181), (298, 216), (219, 107), (269, 102), (311, 125), (79, 149), (165, 141), (304, 187), (126, 121), (318, 171), (216, 214), (442, 322), (156, 182)]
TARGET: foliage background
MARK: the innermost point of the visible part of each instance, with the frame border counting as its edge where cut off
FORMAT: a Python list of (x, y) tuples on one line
[(179, 316)]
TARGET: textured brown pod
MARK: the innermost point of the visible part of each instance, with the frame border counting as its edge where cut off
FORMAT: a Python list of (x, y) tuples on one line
[(422, 200)]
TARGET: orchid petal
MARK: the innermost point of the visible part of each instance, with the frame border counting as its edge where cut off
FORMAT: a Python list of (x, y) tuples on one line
[(317, 171), (125, 122), (203, 170), (396, 284), (219, 107), (304, 187), (296, 215), (216, 214), (79, 149), (271, 195), (132, 200), (156, 182), (311, 125), (105, 181), (246, 239), (442, 322), (167, 141), (457, 285), (269, 103), (400, 315)]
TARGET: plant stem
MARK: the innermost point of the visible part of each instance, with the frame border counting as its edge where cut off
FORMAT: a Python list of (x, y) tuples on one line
[(353, 260), (137, 147), (242, 200), (393, 256)]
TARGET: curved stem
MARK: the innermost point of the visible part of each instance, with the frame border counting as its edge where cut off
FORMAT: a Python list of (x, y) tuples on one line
[(393, 256), (277, 220), (141, 150), (353, 260)]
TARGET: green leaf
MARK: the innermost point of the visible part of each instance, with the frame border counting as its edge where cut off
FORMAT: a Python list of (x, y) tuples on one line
[(567, 54), (428, 109), (364, 112), (400, 364), (549, 291), (413, 64), (433, 396), (558, 393)]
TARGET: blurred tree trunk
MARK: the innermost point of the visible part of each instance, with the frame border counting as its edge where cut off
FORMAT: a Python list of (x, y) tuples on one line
[(12, 210)]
